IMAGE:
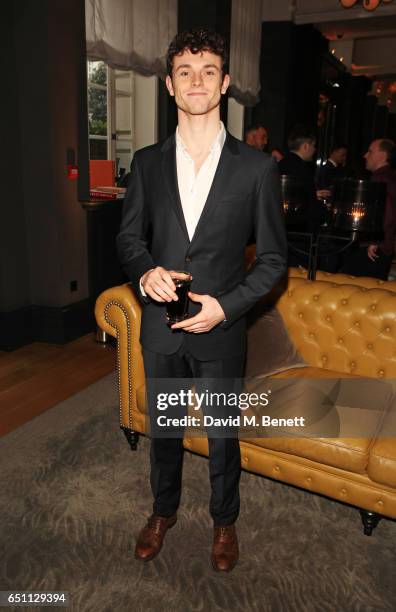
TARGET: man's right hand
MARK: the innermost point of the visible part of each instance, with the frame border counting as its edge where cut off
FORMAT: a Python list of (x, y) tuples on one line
[(158, 284)]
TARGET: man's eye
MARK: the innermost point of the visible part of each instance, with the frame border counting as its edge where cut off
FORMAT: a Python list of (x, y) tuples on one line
[(210, 72), (184, 73)]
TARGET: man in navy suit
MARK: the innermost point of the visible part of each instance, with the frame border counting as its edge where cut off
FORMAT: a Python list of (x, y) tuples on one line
[(192, 204)]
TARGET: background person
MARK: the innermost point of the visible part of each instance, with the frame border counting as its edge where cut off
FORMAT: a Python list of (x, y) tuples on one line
[(333, 168), (256, 136), (375, 259), (298, 161)]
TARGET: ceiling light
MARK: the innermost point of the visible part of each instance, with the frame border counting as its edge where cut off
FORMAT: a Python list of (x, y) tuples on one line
[(369, 5)]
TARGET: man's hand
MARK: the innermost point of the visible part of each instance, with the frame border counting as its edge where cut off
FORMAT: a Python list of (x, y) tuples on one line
[(323, 193), (158, 284), (208, 317), (372, 252)]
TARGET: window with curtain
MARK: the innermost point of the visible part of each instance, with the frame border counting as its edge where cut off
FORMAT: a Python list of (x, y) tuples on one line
[(97, 110), (110, 113)]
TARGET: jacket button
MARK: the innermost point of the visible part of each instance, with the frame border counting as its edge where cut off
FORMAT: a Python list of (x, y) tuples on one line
[(188, 259)]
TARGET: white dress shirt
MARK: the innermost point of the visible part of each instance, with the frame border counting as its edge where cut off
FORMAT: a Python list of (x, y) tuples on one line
[(194, 188)]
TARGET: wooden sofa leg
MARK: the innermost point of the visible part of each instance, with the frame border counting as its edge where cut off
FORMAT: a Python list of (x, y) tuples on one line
[(132, 437), (101, 336), (370, 521)]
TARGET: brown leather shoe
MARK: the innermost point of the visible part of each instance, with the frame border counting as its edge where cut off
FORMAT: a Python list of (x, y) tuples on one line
[(225, 551), (150, 539)]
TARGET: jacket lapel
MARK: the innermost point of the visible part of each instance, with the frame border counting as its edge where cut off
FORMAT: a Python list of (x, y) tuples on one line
[(169, 170), (225, 169)]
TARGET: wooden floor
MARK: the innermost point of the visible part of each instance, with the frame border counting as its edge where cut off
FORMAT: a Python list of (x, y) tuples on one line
[(38, 376)]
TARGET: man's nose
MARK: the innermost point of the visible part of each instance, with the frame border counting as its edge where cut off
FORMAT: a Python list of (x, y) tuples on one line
[(196, 79)]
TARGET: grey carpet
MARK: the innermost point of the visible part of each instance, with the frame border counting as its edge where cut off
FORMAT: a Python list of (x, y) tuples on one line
[(74, 497)]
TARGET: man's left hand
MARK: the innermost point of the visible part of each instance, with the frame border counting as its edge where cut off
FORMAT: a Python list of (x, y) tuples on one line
[(208, 317)]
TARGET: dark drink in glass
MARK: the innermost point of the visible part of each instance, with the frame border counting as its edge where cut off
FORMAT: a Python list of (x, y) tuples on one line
[(177, 310)]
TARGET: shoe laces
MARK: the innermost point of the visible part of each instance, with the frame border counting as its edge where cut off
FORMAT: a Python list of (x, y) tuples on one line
[(224, 533), (155, 523)]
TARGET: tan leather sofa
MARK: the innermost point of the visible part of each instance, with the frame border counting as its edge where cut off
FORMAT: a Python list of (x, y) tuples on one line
[(361, 281), (340, 330)]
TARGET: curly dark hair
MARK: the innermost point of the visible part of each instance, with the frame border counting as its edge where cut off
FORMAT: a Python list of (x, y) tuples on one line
[(196, 40)]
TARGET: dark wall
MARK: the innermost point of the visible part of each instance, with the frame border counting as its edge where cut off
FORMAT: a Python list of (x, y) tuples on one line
[(45, 243), (290, 72), (215, 14), (14, 277)]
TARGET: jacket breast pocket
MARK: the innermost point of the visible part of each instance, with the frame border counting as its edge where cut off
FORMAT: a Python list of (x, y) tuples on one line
[(234, 205), (235, 199)]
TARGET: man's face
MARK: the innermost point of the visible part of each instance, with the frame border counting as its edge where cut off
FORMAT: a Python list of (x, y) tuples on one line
[(375, 158), (257, 138), (196, 82), (339, 156), (307, 150), (261, 138)]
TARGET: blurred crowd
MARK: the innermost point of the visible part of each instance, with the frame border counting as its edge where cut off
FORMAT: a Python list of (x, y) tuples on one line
[(365, 257)]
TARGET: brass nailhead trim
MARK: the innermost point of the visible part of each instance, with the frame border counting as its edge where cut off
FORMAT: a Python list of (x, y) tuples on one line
[(122, 307)]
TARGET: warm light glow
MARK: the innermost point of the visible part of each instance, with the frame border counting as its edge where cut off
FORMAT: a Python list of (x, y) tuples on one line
[(358, 211), (369, 5)]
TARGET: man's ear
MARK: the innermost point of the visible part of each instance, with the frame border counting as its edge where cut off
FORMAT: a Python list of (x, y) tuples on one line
[(225, 84), (169, 85)]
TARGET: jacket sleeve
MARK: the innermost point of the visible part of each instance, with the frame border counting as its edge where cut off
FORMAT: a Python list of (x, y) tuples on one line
[(271, 249), (132, 248)]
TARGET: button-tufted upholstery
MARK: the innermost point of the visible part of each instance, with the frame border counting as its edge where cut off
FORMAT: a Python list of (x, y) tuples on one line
[(344, 328), (341, 330), (339, 279)]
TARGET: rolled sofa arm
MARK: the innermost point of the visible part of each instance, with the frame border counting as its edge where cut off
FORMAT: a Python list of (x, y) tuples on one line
[(118, 313)]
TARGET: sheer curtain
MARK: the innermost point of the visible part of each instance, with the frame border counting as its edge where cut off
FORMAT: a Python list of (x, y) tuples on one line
[(245, 51), (135, 34), (131, 34)]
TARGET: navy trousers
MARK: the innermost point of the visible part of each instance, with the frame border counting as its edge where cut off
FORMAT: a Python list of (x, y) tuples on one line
[(166, 453)]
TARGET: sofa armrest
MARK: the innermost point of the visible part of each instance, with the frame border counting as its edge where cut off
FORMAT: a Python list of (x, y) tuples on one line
[(124, 298), (118, 313), (382, 462)]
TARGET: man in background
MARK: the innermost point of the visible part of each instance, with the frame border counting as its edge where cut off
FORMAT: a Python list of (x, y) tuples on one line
[(302, 146), (375, 259), (256, 136), (298, 164), (333, 169)]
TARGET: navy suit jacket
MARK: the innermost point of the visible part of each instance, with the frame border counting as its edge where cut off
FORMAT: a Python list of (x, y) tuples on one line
[(244, 198)]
